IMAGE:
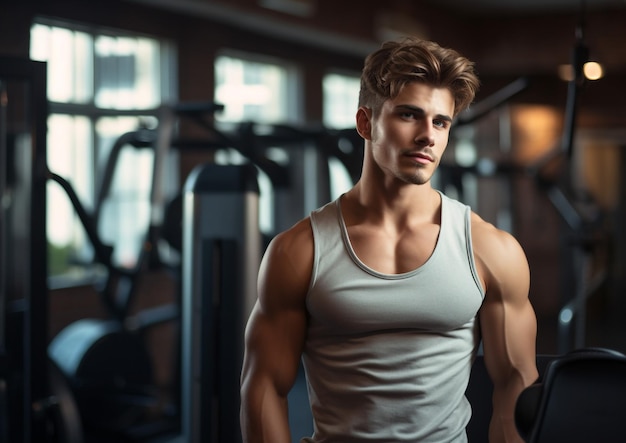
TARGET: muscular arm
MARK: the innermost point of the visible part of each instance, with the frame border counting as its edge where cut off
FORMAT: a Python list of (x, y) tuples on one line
[(508, 326), (275, 336)]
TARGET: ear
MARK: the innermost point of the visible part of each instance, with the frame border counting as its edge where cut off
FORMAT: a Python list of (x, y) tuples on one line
[(364, 123)]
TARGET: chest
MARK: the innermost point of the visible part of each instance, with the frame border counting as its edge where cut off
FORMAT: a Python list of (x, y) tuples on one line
[(350, 296), (345, 305), (393, 253)]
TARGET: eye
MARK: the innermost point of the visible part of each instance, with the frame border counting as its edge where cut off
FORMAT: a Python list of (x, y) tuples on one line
[(441, 123), (407, 115)]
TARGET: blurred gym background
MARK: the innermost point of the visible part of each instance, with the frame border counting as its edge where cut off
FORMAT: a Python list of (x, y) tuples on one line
[(118, 118)]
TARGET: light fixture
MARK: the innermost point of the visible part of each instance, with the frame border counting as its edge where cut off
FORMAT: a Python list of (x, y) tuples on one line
[(591, 71)]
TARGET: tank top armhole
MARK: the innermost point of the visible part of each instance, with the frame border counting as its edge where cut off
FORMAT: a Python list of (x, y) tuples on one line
[(470, 250), (316, 236)]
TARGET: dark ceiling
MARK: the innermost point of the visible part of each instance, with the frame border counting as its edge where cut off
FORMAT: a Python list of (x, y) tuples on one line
[(515, 7)]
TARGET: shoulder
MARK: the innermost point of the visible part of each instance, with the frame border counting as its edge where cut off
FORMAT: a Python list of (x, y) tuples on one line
[(500, 259), (489, 239), (286, 266), (293, 243)]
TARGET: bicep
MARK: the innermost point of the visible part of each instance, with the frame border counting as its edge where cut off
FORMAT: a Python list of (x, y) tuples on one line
[(508, 332), (276, 328), (508, 325), (273, 341), (273, 344), (507, 318)]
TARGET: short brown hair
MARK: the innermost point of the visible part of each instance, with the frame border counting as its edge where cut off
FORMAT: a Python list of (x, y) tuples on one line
[(397, 63)]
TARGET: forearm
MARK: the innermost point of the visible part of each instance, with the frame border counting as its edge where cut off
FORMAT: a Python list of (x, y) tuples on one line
[(502, 428), (264, 417)]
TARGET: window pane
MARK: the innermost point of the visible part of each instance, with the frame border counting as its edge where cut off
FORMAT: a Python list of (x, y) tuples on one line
[(68, 54), (341, 96), (252, 90), (126, 73)]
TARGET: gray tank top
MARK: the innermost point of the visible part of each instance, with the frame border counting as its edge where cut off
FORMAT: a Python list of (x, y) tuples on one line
[(388, 356)]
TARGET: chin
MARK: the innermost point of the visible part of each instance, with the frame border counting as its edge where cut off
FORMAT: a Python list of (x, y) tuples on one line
[(416, 179)]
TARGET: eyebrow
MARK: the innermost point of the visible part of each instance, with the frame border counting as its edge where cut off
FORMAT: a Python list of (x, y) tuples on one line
[(418, 110)]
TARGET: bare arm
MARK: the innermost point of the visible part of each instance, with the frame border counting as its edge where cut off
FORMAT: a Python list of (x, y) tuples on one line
[(275, 336), (508, 326)]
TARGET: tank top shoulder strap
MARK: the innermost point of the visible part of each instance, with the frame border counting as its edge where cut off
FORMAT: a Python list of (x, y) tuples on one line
[(326, 227), (458, 222)]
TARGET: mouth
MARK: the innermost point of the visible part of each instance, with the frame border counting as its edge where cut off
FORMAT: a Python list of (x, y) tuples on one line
[(420, 157)]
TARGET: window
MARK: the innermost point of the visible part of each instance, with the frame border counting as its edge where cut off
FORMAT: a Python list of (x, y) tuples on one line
[(341, 98), (255, 89), (101, 84)]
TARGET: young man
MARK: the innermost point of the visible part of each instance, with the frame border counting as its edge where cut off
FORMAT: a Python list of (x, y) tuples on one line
[(386, 292)]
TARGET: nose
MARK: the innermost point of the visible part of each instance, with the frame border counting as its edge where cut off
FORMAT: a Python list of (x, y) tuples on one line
[(426, 136)]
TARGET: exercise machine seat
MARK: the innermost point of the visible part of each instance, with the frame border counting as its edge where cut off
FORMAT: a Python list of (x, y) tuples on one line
[(580, 399)]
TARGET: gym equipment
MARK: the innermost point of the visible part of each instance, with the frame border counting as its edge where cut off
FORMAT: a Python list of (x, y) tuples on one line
[(581, 216), (109, 369), (106, 361), (300, 180), (221, 256), (57, 414), (110, 372), (479, 393), (27, 402), (581, 398)]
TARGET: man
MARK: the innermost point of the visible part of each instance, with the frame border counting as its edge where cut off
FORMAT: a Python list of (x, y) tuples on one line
[(386, 293)]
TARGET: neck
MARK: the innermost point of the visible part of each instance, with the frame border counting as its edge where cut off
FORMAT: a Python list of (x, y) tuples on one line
[(406, 204)]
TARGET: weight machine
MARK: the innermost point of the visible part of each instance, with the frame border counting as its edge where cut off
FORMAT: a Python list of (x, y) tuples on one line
[(28, 403)]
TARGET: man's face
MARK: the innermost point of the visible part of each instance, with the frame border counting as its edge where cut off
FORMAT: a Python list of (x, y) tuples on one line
[(410, 134)]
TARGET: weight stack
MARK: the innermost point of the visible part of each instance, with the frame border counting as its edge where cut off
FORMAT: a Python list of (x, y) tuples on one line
[(221, 254)]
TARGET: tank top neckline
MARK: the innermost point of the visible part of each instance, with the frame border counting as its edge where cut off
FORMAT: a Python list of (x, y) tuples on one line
[(355, 258)]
